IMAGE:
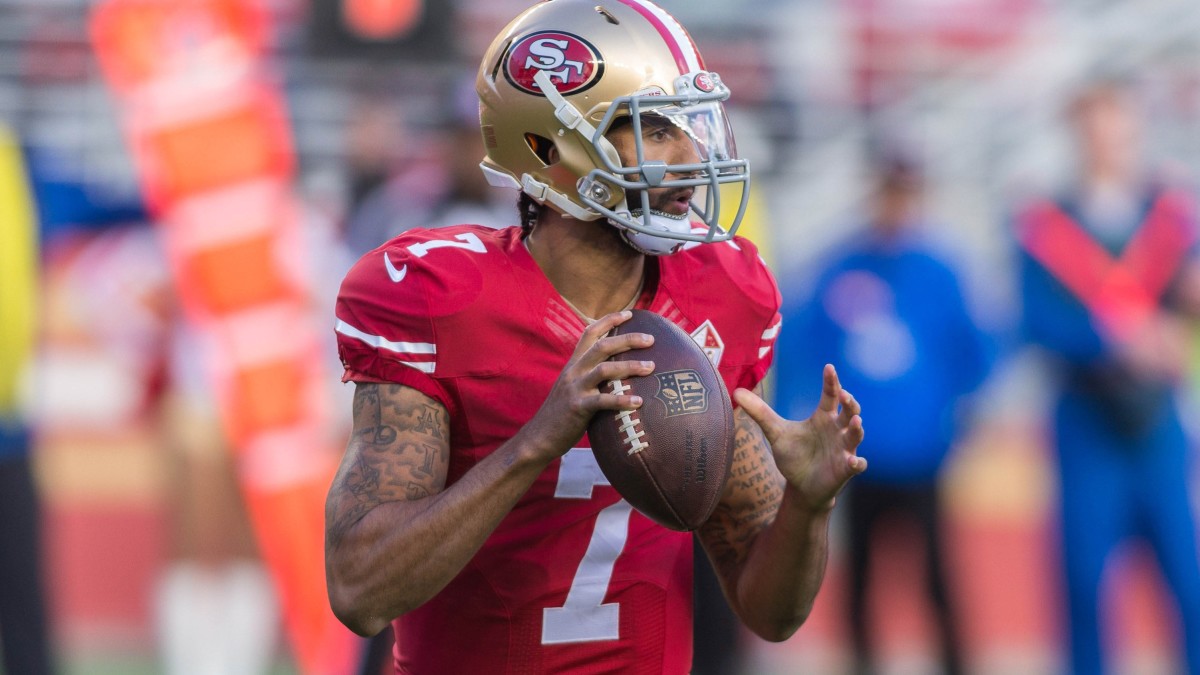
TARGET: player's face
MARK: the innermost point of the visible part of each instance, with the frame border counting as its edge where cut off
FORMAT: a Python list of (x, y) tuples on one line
[(661, 141)]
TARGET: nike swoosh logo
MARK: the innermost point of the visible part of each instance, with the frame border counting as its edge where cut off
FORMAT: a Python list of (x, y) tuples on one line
[(396, 275)]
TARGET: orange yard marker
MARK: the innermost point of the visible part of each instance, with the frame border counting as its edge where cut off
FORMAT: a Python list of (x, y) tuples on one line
[(213, 147)]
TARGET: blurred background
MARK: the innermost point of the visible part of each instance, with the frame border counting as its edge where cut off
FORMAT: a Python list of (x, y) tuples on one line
[(183, 178)]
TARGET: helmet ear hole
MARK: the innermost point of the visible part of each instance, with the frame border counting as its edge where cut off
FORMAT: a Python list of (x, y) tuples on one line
[(542, 148)]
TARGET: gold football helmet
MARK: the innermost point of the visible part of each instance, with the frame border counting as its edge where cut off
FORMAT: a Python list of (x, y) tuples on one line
[(562, 73)]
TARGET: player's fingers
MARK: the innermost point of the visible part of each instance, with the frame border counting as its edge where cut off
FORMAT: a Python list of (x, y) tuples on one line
[(607, 371), (830, 389), (758, 410), (857, 464), (854, 433), (850, 408), (599, 328), (607, 347), (612, 401)]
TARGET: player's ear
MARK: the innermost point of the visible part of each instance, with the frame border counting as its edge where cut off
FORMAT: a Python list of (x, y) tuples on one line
[(552, 154)]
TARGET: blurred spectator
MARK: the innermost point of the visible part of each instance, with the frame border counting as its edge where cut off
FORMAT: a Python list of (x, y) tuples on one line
[(465, 197), (374, 139), (216, 609), (1107, 267), (392, 185), (889, 314), (24, 633), (24, 636), (213, 603)]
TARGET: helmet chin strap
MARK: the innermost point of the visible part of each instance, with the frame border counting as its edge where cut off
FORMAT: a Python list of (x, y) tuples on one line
[(572, 120), (649, 244)]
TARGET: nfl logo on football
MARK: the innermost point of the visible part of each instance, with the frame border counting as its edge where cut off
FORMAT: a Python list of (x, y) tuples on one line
[(683, 392)]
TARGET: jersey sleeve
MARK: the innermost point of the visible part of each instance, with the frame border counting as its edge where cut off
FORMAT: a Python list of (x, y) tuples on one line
[(385, 331), (766, 352), (761, 299)]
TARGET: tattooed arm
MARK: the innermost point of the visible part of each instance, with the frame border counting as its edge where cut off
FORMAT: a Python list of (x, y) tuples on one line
[(395, 534), (768, 538)]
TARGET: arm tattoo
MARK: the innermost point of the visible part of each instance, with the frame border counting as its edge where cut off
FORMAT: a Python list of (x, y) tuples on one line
[(750, 502), (397, 451)]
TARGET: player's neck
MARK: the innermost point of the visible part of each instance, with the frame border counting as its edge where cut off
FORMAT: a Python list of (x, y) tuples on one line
[(587, 263)]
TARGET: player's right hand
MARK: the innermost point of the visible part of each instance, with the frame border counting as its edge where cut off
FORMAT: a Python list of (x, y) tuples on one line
[(577, 393)]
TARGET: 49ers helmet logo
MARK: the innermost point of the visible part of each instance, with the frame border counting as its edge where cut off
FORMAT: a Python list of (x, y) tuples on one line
[(572, 63)]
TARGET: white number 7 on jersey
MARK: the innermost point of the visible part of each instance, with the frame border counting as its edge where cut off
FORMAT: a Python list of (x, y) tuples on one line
[(585, 617), (467, 240)]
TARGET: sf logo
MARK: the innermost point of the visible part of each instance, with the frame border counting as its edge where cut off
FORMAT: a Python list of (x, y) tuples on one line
[(568, 60), (550, 55)]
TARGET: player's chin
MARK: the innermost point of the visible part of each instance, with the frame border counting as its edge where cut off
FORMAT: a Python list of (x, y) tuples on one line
[(678, 206)]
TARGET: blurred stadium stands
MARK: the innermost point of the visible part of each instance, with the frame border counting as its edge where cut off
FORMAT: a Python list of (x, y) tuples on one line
[(976, 87)]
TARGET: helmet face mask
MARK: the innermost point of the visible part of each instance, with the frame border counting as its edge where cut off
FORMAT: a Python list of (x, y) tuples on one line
[(566, 73), (701, 120)]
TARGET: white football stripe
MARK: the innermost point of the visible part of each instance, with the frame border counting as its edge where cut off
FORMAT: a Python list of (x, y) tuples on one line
[(770, 333), (763, 351), (384, 343)]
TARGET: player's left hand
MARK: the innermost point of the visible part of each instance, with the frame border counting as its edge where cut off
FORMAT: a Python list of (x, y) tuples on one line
[(817, 456)]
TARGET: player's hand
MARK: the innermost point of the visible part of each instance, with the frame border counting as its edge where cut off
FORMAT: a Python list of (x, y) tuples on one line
[(817, 456), (581, 389)]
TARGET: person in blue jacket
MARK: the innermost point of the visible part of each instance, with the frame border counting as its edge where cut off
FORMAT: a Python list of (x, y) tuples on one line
[(889, 313), (1107, 270)]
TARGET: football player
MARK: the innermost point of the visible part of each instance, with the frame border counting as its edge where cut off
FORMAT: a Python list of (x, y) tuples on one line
[(468, 510)]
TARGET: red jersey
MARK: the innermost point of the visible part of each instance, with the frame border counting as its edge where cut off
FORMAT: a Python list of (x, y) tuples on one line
[(572, 580)]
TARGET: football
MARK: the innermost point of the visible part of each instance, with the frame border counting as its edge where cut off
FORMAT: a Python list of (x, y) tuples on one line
[(671, 457)]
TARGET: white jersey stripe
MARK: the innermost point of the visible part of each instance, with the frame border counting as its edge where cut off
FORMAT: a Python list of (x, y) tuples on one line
[(773, 331), (763, 351), (384, 343), (423, 366)]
